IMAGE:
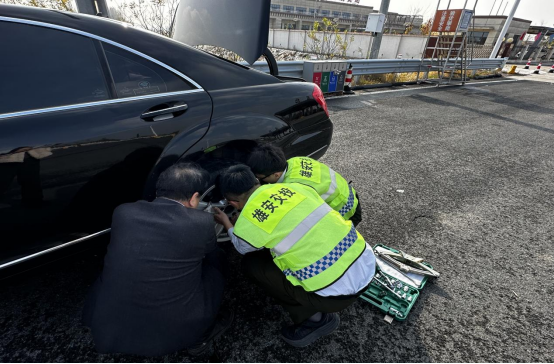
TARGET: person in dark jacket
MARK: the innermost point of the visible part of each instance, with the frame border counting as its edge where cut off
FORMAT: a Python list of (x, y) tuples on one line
[(162, 282)]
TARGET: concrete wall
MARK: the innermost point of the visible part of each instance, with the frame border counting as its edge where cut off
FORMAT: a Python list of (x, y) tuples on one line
[(408, 45)]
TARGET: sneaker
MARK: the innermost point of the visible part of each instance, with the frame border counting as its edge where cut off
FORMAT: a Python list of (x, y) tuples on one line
[(223, 322), (307, 332)]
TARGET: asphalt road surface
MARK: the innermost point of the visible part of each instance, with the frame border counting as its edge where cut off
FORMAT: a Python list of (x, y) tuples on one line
[(462, 176)]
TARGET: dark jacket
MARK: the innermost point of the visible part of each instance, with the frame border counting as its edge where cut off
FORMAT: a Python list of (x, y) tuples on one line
[(160, 290)]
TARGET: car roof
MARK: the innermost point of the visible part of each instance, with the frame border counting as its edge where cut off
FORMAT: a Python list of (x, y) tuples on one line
[(207, 70)]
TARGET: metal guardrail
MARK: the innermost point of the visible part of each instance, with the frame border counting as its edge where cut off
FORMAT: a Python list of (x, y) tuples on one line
[(380, 66)]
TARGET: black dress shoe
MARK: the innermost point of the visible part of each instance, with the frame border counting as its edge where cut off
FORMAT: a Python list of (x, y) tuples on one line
[(308, 331), (223, 322)]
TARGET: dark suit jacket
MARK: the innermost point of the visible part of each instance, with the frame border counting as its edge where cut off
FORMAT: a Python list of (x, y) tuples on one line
[(157, 293)]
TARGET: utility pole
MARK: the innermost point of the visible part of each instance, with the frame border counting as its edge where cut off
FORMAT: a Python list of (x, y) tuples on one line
[(504, 30), (93, 7), (376, 44)]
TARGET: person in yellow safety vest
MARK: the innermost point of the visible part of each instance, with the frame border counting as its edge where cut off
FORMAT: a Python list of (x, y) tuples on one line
[(270, 166), (298, 250)]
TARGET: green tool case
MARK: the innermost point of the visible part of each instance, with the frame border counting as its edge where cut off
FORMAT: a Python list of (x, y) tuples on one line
[(389, 303)]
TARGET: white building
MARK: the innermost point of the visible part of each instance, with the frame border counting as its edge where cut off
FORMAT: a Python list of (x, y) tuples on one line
[(301, 15)]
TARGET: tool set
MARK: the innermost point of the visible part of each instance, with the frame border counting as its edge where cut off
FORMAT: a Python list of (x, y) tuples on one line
[(397, 283)]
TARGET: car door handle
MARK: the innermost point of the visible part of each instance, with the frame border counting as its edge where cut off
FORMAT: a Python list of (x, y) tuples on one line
[(168, 110)]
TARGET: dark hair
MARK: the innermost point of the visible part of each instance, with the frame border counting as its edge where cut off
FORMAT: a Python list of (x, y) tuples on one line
[(267, 159), (237, 180), (181, 181)]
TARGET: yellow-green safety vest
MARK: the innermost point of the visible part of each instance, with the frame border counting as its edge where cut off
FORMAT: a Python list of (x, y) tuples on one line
[(310, 242), (330, 185)]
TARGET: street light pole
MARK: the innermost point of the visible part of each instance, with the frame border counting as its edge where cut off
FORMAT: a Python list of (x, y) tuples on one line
[(504, 30)]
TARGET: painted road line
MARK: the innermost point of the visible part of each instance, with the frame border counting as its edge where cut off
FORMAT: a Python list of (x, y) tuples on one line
[(415, 89), (368, 103)]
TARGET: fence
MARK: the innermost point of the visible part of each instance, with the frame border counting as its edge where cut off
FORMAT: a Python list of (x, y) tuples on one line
[(381, 66), (410, 46)]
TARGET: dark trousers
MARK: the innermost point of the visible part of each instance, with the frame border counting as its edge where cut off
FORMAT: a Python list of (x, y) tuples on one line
[(357, 217), (301, 305)]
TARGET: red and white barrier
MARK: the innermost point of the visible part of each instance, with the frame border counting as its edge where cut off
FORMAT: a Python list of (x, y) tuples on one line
[(348, 81), (552, 69), (527, 65), (538, 70)]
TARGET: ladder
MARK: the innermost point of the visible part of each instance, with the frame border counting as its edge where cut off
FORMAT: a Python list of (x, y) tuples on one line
[(449, 54)]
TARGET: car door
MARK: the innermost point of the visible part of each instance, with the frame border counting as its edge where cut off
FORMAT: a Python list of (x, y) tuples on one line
[(83, 120)]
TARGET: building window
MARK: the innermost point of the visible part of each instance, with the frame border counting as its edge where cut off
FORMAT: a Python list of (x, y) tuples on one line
[(325, 12), (301, 10), (356, 16), (306, 27), (478, 37), (336, 14), (275, 7), (313, 11), (346, 15), (288, 8)]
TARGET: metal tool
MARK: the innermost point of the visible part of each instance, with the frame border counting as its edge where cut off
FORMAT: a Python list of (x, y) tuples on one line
[(405, 262), (395, 311), (393, 281), (403, 274), (391, 285), (384, 285)]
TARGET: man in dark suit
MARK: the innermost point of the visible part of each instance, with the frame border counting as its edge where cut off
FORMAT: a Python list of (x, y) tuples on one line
[(162, 282)]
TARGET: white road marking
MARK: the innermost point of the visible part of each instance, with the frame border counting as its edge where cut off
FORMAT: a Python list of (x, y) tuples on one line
[(428, 87), (415, 88), (368, 103), (340, 97)]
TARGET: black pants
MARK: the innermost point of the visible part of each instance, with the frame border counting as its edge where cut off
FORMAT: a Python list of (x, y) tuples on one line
[(259, 267), (357, 217)]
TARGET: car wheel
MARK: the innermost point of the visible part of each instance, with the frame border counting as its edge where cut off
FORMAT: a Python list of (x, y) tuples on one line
[(206, 204)]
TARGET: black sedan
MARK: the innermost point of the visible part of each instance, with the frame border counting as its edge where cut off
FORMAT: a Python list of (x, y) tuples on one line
[(92, 110)]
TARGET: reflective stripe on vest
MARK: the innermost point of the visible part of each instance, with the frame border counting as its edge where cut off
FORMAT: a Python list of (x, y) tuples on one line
[(349, 204), (301, 229), (332, 186), (328, 260)]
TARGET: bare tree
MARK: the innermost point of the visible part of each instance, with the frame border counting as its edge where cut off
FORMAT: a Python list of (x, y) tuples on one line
[(413, 12), (65, 5), (326, 41), (154, 15)]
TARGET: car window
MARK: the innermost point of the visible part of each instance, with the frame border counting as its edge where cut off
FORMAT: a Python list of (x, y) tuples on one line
[(136, 76), (44, 67)]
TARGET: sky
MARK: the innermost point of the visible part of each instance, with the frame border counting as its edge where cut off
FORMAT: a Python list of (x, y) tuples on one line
[(539, 11)]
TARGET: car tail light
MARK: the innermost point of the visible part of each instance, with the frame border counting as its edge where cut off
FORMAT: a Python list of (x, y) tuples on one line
[(318, 96)]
